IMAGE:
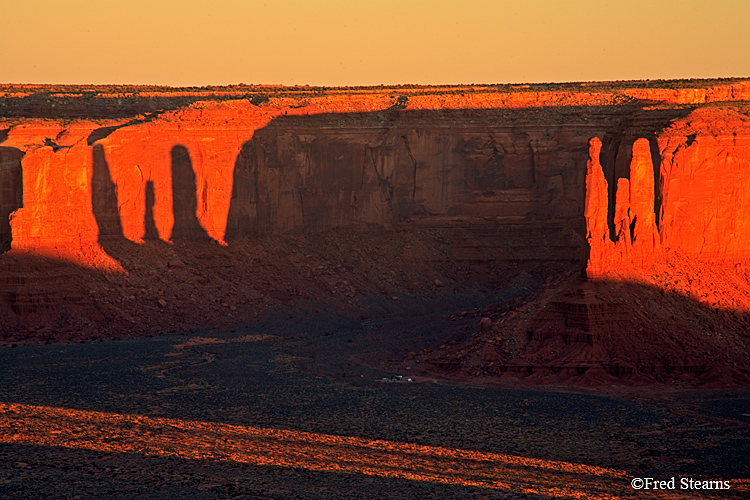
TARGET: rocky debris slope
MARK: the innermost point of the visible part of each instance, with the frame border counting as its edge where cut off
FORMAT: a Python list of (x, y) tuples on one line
[(349, 273), (605, 332)]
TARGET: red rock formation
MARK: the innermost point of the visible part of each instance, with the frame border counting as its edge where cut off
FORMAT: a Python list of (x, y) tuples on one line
[(645, 236), (704, 191), (347, 159), (56, 218), (498, 172), (595, 210), (518, 169), (705, 174), (636, 239)]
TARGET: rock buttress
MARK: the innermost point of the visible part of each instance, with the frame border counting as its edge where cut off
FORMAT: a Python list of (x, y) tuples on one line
[(636, 240)]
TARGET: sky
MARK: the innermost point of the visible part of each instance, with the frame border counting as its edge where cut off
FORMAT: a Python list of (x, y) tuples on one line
[(351, 42)]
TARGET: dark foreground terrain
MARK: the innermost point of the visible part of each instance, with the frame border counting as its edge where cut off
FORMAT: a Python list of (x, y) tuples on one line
[(260, 414)]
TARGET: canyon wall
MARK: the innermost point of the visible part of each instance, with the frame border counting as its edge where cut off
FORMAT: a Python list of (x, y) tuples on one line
[(617, 174), (701, 185)]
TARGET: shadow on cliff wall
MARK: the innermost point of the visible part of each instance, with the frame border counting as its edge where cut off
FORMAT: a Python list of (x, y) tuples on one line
[(243, 208), (11, 191), (104, 203), (106, 212), (184, 198), (105, 207), (151, 233), (310, 173), (617, 152)]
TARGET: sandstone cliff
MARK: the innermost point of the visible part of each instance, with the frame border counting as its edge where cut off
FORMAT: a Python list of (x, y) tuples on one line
[(127, 201), (264, 164)]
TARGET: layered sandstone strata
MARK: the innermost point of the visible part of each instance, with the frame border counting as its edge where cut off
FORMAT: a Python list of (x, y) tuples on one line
[(513, 161), (611, 177)]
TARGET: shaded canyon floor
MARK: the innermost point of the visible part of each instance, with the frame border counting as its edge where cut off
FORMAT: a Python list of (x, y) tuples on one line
[(295, 411)]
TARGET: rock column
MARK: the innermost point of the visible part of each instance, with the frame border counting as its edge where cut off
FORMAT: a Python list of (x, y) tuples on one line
[(637, 240)]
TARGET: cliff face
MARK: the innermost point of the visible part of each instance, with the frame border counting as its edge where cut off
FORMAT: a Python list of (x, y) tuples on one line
[(518, 183), (667, 295), (705, 184), (611, 177), (512, 163), (233, 169), (700, 183)]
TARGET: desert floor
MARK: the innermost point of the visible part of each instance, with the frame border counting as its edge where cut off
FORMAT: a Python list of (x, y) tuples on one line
[(297, 409)]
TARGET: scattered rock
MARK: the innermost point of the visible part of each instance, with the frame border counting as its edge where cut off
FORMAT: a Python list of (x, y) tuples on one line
[(485, 323)]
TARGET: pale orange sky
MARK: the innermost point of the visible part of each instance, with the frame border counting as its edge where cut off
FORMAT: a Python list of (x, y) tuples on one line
[(349, 42)]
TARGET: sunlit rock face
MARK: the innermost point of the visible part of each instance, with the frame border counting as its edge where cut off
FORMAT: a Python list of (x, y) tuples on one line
[(635, 240), (701, 183), (85, 182), (705, 184)]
